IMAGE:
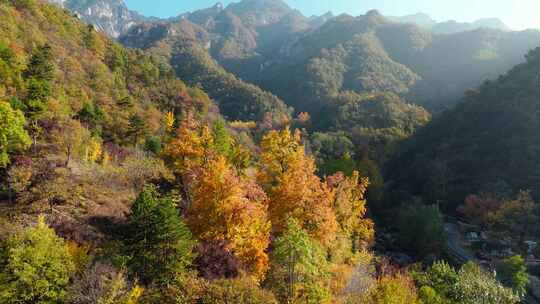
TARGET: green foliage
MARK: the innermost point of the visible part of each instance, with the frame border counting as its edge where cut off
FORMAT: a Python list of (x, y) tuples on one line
[(378, 111), (35, 267), (428, 295), (237, 99), (437, 281), (375, 191), (13, 136), (137, 129), (475, 286), (91, 114), (154, 145), (39, 75), (223, 142), (377, 121), (512, 272), (440, 283), (159, 242), (398, 289), (304, 262), (421, 230), (41, 66), (463, 139), (50, 58), (333, 152)]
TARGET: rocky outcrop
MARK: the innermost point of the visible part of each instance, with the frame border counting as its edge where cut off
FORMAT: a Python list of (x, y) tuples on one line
[(109, 16)]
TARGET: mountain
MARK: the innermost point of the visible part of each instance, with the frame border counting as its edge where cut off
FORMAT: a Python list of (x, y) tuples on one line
[(449, 27), (261, 56), (488, 143), (271, 45), (206, 45), (493, 23), (109, 16), (343, 72), (185, 45), (250, 39), (95, 111), (316, 21), (420, 19), (371, 53), (120, 183)]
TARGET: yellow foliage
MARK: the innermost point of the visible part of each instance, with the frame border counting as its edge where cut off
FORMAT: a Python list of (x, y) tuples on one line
[(190, 146), (398, 289), (225, 207), (288, 176), (71, 138), (105, 159), (169, 121), (243, 125), (94, 150), (134, 295), (349, 205), (79, 254)]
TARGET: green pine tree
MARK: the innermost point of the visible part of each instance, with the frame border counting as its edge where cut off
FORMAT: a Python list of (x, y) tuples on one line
[(223, 143), (138, 129), (304, 263), (160, 243)]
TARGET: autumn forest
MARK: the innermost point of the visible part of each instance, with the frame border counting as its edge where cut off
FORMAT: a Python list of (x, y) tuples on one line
[(250, 154)]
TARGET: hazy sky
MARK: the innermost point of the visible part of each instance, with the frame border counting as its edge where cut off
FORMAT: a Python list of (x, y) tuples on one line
[(518, 14)]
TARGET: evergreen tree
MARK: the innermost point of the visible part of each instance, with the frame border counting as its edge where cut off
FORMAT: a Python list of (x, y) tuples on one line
[(138, 129), (222, 139), (41, 64), (304, 263), (39, 75), (160, 244), (35, 267), (421, 230)]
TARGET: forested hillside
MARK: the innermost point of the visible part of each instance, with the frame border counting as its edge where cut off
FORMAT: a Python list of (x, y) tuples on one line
[(488, 143), (82, 117), (370, 53), (157, 169), (370, 111), (122, 185), (276, 47), (182, 45), (328, 69)]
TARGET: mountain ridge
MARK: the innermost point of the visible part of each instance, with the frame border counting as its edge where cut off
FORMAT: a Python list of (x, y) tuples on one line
[(450, 26)]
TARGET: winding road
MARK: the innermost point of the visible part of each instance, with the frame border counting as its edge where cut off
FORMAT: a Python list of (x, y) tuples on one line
[(454, 244), (463, 255)]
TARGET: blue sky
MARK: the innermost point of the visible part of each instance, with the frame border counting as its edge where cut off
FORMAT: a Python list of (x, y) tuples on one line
[(518, 14)]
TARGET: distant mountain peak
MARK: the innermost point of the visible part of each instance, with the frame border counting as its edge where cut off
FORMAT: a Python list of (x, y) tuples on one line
[(328, 14), (218, 6), (492, 23), (450, 26), (109, 16), (374, 13)]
